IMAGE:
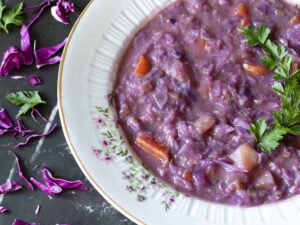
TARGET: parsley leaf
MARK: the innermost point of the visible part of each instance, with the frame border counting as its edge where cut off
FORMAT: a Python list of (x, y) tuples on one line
[(286, 120), (2, 7), (270, 140), (295, 130), (258, 129), (277, 86), (255, 36), (14, 16), (28, 100)]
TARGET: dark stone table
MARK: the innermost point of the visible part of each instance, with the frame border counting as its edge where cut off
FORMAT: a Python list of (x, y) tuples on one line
[(74, 207)]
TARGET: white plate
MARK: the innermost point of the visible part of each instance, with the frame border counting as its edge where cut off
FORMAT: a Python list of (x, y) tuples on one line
[(93, 49)]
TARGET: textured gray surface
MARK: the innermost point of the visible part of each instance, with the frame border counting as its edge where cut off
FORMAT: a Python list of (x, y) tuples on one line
[(74, 207)]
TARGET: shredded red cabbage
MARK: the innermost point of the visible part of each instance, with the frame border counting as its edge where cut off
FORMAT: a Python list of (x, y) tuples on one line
[(47, 62), (37, 6), (9, 186), (35, 136), (43, 55), (6, 125), (54, 186), (20, 222), (49, 179), (5, 120), (3, 131), (33, 80), (50, 188), (41, 8), (25, 36), (21, 129), (21, 175), (37, 112), (62, 10), (13, 58), (26, 45), (3, 210)]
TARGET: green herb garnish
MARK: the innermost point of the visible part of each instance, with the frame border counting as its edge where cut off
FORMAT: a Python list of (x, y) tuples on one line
[(13, 16), (286, 84), (28, 100)]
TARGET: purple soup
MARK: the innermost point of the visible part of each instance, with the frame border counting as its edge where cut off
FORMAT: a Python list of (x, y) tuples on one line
[(187, 89)]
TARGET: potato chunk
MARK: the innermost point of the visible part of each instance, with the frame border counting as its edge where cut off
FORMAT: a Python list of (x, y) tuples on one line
[(179, 71), (204, 123), (264, 180), (245, 157)]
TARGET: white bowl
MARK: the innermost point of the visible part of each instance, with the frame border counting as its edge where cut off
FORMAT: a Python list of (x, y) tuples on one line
[(85, 79)]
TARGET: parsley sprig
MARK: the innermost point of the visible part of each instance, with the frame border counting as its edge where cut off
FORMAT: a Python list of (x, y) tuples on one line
[(286, 84), (26, 99), (11, 16)]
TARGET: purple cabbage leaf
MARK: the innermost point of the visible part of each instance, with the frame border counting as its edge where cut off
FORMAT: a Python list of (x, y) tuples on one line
[(54, 186), (21, 175), (33, 80), (62, 10), (48, 177), (3, 210), (5, 120), (9, 186), (43, 56), (20, 222), (13, 58), (28, 139)]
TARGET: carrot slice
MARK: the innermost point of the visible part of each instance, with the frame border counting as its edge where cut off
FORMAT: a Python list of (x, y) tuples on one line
[(238, 185), (245, 22), (295, 20), (154, 148), (143, 66), (187, 175), (255, 69), (202, 43), (242, 10)]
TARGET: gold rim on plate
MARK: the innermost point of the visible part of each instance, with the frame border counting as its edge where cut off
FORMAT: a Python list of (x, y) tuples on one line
[(66, 132)]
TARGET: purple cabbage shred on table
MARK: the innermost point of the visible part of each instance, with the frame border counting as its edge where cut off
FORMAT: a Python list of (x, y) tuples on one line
[(33, 80), (13, 59), (20, 222), (9, 186), (3, 209), (5, 120), (33, 136), (43, 56), (62, 11), (21, 175), (54, 186), (21, 129), (35, 112), (48, 177)]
